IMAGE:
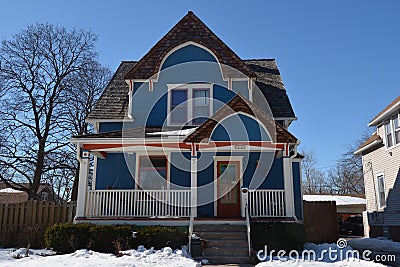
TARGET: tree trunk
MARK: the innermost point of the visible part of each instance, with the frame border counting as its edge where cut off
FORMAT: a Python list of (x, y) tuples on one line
[(74, 194)]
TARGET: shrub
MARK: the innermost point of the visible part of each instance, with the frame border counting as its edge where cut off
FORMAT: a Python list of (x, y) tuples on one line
[(161, 236), (104, 238), (278, 235), (67, 238)]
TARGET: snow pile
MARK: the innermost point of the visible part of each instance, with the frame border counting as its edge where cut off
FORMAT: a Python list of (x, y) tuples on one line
[(10, 190), (141, 257), (380, 244)]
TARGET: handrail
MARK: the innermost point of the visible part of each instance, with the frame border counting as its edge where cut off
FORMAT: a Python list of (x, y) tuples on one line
[(248, 227)]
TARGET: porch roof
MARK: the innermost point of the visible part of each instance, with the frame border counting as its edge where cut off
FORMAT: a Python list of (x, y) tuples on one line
[(139, 133)]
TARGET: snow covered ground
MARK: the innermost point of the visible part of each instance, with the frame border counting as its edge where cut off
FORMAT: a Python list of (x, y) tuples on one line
[(87, 258), (166, 257), (340, 256)]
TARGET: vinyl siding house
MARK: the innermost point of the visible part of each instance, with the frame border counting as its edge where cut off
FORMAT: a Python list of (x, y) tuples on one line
[(381, 164), (191, 133)]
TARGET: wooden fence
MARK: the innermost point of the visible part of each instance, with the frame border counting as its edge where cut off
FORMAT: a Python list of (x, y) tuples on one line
[(320, 221), (25, 222)]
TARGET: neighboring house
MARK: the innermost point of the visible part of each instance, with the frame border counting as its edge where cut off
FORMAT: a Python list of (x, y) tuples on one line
[(9, 195), (184, 133), (381, 164)]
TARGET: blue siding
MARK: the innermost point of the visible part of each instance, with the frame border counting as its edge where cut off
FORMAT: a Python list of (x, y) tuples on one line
[(158, 113), (113, 172), (297, 190), (110, 126), (221, 95), (205, 185), (187, 54), (274, 178), (240, 128), (180, 171)]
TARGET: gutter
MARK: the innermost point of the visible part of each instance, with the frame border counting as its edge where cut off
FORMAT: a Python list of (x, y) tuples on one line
[(359, 151)]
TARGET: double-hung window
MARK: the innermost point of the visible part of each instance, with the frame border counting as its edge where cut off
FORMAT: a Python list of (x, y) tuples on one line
[(389, 134), (381, 190), (392, 131), (396, 129), (200, 105), (189, 104), (179, 106)]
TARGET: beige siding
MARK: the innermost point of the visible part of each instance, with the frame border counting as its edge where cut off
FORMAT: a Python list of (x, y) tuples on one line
[(386, 161)]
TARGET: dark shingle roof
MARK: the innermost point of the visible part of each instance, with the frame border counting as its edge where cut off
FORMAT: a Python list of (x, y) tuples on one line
[(369, 141), (113, 102), (271, 86), (189, 28)]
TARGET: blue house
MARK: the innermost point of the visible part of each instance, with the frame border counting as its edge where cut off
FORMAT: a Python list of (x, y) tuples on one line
[(191, 133)]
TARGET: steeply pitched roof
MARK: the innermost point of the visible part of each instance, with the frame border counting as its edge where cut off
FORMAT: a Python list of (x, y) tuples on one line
[(189, 28), (113, 103), (240, 104), (382, 115)]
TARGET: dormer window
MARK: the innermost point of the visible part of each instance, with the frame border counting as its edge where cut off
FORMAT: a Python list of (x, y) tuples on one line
[(189, 104)]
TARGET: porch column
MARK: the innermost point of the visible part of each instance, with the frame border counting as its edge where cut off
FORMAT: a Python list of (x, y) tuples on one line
[(193, 181), (288, 182), (82, 186)]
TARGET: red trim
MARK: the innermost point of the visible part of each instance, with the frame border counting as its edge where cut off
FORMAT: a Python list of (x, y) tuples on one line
[(131, 85), (189, 146)]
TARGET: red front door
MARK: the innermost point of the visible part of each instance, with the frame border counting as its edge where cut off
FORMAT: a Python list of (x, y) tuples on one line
[(228, 189)]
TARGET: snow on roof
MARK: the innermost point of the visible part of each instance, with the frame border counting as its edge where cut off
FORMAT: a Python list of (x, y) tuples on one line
[(174, 133), (10, 190), (340, 200)]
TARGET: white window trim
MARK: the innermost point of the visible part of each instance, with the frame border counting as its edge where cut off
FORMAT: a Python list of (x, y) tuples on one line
[(391, 123), (384, 189), (189, 88), (150, 154)]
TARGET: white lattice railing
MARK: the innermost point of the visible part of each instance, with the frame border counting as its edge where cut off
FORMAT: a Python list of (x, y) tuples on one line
[(266, 203), (138, 203)]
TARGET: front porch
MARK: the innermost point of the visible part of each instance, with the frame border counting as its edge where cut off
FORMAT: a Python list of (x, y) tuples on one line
[(173, 204)]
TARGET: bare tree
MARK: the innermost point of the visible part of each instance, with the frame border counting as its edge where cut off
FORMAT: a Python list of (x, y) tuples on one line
[(313, 179), (36, 65), (347, 175), (84, 89)]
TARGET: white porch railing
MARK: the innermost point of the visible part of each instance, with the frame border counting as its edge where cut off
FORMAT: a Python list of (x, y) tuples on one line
[(138, 203), (266, 203)]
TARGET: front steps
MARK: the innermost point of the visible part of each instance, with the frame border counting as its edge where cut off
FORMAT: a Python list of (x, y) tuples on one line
[(224, 243)]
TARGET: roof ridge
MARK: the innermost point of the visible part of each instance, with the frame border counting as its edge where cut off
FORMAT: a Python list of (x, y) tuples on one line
[(189, 28), (259, 59)]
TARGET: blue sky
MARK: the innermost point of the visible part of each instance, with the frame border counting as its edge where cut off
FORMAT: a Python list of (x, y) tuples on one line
[(339, 60)]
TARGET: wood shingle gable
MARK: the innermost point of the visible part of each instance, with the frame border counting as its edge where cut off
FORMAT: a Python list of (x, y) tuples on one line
[(189, 29)]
